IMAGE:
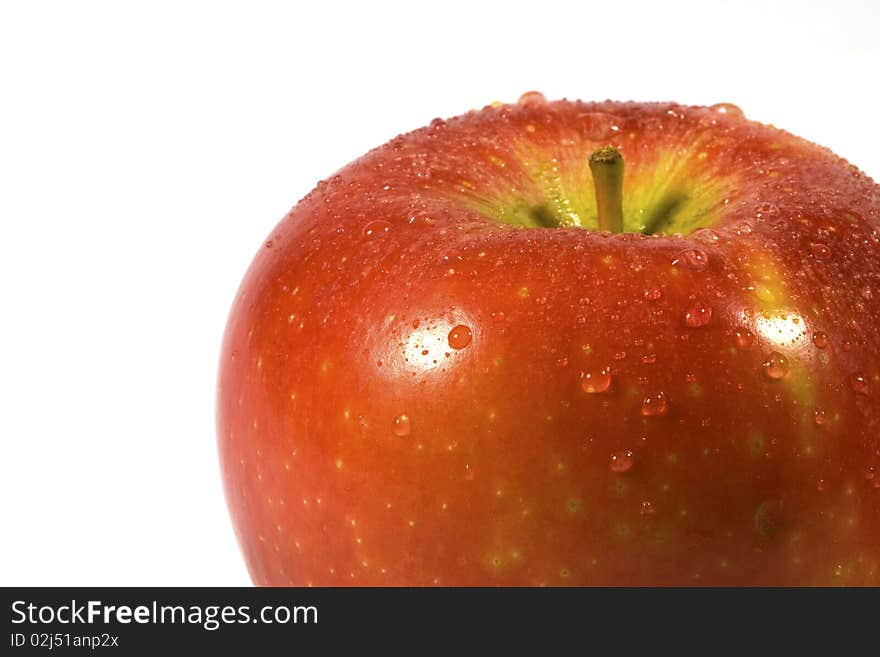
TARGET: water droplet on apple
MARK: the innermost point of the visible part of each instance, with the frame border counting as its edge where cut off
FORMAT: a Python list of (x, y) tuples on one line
[(820, 251), (376, 228), (745, 339), (820, 485), (460, 337), (820, 340), (402, 425), (596, 380), (698, 315), (647, 508), (767, 210), (532, 98), (652, 293), (599, 126), (706, 235), (743, 228), (866, 292), (769, 518), (820, 418), (695, 259), (859, 383), (649, 359), (728, 109), (776, 366), (621, 461), (655, 405)]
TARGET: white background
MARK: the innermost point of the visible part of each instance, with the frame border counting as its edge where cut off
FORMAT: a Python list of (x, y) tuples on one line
[(146, 149)]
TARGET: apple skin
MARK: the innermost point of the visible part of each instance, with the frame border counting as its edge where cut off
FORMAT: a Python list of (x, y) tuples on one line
[(412, 393)]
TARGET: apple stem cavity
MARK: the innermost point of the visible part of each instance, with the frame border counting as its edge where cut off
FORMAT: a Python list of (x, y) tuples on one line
[(606, 165)]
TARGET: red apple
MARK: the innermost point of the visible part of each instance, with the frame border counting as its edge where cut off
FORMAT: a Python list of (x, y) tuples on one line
[(438, 370)]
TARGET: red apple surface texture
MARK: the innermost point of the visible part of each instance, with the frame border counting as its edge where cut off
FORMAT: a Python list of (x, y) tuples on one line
[(438, 371)]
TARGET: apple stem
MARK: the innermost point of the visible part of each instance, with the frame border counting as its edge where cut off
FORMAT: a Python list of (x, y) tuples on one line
[(606, 165)]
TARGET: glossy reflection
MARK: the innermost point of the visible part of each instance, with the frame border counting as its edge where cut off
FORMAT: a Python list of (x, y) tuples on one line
[(424, 345), (781, 329)]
